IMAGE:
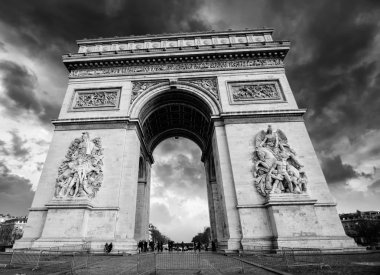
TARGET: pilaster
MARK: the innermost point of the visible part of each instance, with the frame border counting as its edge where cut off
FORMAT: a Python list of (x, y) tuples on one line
[(226, 187)]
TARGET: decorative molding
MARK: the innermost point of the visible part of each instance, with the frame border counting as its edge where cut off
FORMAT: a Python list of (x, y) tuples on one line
[(178, 67), (325, 204), (210, 84), (191, 40), (239, 206), (265, 91), (99, 99), (140, 86)]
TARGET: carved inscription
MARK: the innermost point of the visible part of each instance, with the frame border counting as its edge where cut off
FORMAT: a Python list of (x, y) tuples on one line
[(96, 99), (174, 67), (255, 91)]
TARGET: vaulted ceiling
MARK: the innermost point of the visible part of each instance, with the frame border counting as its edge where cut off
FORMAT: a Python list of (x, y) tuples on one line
[(176, 113)]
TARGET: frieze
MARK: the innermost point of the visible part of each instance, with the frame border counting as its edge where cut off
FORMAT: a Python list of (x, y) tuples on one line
[(138, 87), (97, 98), (255, 91), (209, 84), (178, 67)]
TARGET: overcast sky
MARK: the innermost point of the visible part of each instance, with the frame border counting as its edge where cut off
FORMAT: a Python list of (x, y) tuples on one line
[(333, 68)]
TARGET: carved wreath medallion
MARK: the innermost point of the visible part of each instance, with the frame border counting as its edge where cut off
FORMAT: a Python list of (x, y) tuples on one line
[(80, 175)]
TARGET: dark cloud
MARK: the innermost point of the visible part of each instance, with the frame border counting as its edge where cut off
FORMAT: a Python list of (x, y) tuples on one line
[(2, 47), (334, 67), (4, 170), (52, 26), (18, 146), (336, 171), (3, 149), (20, 93), (375, 187), (16, 194), (334, 62)]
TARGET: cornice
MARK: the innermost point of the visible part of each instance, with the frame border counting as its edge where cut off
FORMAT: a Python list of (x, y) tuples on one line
[(173, 35), (177, 55), (267, 113), (222, 116)]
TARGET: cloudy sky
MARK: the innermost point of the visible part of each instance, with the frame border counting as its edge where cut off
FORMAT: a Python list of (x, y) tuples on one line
[(333, 68)]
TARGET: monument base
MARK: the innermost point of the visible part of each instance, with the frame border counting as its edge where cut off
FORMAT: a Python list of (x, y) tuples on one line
[(295, 223)]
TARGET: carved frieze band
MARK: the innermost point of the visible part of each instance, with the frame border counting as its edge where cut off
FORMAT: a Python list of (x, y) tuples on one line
[(96, 98), (178, 67), (255, 91)]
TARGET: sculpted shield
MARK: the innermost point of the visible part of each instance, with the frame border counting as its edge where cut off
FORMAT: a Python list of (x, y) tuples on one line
[(80, 174)]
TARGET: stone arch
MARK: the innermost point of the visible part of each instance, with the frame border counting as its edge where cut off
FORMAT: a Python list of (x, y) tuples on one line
[(175, 110), (184, 87)]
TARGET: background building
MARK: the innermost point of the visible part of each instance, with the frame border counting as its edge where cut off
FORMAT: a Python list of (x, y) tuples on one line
[(363, 226)]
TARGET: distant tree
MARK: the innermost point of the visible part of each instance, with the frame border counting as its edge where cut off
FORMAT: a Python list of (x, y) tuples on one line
[(203, 238), (9, 233), (157, 236), (369, 230)]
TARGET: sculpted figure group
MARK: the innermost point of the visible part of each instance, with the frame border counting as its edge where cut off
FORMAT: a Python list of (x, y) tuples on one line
[(80, 174), (276, 168)]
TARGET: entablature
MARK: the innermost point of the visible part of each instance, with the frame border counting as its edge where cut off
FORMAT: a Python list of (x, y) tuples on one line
[(175, 40), (222, 46)]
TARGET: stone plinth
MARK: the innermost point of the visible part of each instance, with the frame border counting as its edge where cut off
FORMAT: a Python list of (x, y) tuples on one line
[(295, 223)]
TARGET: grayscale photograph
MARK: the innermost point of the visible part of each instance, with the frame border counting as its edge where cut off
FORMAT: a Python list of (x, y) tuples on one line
[(190, 137)]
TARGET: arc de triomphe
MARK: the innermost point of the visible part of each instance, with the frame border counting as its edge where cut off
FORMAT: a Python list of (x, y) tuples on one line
[(226, 91)]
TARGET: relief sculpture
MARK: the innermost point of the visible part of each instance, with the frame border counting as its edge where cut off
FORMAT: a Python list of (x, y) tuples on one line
[(255, 92), (276, 168), (209, 84), (80, 174), (138, 87), (93, 99)]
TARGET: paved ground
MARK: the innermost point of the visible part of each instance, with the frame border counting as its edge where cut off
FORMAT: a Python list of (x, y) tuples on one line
[(173, 263), (343, 264), (207, 263)]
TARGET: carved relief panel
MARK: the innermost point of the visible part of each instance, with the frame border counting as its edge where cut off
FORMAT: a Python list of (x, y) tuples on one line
[(276, 168), (255, 92), (80, 174), (96, 99), (210, 84)]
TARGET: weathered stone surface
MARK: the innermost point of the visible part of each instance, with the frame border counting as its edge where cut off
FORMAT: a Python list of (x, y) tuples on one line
[(212, 95)]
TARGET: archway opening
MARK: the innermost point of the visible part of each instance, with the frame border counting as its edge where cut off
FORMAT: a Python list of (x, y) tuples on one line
[(178, 194), (177, 128)]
